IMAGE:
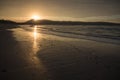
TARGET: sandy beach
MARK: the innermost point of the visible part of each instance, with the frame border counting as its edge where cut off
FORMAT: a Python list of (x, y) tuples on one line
[(32, 55)]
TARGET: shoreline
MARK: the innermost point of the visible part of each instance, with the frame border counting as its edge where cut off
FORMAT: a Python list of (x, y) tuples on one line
[(91, 38)]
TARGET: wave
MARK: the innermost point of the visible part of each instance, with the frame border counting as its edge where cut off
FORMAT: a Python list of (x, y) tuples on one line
[(100, 33)]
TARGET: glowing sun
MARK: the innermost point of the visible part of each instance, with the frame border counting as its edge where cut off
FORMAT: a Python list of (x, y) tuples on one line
[(36, 17)]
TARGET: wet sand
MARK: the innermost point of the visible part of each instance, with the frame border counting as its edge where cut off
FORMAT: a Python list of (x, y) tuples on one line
[(37, 56)]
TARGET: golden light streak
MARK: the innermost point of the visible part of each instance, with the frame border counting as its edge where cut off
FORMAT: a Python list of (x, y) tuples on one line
[(35, 36)]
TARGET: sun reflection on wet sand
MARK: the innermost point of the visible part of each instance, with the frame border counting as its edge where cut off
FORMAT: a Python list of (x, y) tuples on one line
[(35, 32), (29, 40), (36, 40), (35, 37)]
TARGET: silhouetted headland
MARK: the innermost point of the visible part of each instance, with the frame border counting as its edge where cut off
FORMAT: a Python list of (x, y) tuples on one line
[(7, 24)]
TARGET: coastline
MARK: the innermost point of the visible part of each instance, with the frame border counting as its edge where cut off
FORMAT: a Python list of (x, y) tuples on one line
[(52, 57)]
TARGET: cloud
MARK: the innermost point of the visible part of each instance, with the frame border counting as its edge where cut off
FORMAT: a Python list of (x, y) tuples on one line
[(102, 18)]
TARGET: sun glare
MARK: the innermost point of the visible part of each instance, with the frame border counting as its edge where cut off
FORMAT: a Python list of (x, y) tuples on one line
[(36, 17)]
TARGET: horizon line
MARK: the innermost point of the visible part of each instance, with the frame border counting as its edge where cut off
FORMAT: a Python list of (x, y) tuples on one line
[(60, 20)]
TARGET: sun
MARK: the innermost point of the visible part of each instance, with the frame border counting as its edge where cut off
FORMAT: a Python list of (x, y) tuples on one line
[(36, 17)]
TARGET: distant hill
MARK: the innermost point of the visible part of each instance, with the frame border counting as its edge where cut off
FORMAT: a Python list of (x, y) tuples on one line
[(50, 22), (7, 22)]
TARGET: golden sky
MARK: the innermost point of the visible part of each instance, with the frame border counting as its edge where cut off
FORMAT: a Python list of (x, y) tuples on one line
[(86, 10)]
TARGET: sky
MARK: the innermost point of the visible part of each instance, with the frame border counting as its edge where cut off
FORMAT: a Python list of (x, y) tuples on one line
[(83, 10)]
